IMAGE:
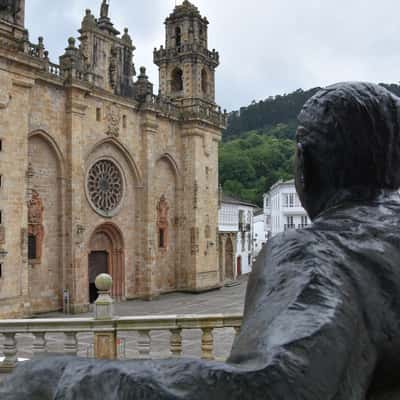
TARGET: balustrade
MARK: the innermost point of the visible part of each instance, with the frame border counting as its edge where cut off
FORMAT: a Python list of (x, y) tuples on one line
[(40, 343), (65, 333), (105, 330)]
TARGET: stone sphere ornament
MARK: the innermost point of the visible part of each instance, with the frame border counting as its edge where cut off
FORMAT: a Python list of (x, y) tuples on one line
[(103, 283), (105, 187)]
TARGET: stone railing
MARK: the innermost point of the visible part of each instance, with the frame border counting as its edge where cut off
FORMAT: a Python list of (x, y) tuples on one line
[(54, 69), (35, 50), (163, 105), (187, 110), (200, 109), (106, 331), (163, 53)]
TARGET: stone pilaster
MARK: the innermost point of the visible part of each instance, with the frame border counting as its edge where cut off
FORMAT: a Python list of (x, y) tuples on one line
[(149, 129), (77, 271), (201, 205)]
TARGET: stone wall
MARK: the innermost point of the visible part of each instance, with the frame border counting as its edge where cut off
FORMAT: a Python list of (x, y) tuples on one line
[(56, 123)]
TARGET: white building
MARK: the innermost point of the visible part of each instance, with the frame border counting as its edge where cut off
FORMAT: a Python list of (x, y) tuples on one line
[(283, 210), (260, 233), (235, 237)]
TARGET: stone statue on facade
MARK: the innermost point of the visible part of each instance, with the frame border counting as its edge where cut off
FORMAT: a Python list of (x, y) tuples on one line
[(322, 313), (9, 10), (104, 9)]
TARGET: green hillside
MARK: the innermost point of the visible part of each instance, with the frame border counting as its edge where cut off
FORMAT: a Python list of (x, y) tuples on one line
[(258, 144)]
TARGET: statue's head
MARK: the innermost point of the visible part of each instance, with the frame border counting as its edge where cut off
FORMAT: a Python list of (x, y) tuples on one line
[(348, 145)]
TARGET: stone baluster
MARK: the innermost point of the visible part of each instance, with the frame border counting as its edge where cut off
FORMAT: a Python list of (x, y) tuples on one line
[(70, 344), (10, 353), (207, 344), (144, 344), (176, 342), (40, 343)]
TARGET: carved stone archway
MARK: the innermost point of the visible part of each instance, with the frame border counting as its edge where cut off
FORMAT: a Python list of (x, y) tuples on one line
[(107, 244)]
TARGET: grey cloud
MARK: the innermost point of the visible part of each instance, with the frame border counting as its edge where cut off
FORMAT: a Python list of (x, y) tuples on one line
[(267, 46)]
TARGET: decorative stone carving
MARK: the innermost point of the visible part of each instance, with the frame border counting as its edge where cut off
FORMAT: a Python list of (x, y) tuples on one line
[(105, 187), (163, 209), (104, 9), (10, 10), (113, 67), (113, 117), (162, 222), (35, 224)]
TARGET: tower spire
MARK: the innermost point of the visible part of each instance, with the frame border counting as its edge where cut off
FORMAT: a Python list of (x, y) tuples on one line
[(186, 65)]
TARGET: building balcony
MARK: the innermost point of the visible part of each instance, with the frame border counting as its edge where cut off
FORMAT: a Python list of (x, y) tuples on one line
[(289, 227), (295, 210)]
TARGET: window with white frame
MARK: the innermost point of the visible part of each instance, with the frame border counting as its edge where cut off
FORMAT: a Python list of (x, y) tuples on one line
[(289, 200)]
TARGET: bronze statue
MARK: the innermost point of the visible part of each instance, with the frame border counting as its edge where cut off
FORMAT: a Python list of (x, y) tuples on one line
[(322, 314)]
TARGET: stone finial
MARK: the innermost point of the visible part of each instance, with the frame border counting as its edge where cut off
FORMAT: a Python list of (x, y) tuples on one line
[(104, 305), (104, 283), (143, 72), (71, 43)]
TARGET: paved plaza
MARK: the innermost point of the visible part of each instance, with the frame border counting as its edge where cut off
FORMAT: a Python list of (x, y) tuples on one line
[(228, 300)]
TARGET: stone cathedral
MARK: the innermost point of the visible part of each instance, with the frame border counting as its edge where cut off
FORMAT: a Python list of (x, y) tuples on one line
[(99, 174)]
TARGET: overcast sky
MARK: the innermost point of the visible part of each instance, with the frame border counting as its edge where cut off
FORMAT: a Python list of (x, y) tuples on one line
[(267, 47)]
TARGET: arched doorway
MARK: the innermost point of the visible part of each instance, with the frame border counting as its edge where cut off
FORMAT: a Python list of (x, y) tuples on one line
[(229, 259), (106, 255)]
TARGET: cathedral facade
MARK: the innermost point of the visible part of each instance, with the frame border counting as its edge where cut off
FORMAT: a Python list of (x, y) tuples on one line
[(99, 174)]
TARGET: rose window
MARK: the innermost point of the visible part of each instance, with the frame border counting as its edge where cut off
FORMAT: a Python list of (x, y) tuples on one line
[(104, 185)]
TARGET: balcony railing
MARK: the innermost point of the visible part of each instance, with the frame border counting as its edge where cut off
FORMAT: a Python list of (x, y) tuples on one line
[(244, 227), (42, 334), (289, 227), (302, 226)]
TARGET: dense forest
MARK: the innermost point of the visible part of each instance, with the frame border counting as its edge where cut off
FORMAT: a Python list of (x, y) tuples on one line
[(258, 144)]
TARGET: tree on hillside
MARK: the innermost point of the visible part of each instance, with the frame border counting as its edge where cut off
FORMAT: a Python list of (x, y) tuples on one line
[(258, 145)]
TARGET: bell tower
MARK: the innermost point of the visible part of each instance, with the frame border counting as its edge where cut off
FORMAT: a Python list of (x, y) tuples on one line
[(186, 66)]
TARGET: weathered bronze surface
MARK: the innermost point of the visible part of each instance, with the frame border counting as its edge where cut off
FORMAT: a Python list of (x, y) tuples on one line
[(322, 315)]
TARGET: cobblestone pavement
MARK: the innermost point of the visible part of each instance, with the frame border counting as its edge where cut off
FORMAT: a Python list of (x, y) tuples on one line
[(226, 300)]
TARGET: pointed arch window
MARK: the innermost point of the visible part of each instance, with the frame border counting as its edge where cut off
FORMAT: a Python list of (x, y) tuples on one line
[(177, 80)]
